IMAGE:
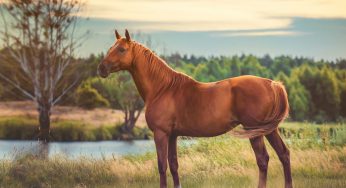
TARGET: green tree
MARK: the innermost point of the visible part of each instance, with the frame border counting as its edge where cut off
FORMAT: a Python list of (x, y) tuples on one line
[(251, 66), (186, 68), (216, 70), (298, 96), (122, 94), (201, 73), (324, 91), (341, 75), (282, 64), (235, 69)]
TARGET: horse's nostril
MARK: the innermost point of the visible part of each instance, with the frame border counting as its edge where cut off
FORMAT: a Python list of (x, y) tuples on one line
[(101, 66), (102, 70)]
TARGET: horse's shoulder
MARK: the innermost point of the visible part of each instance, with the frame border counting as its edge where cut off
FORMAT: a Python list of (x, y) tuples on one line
[(160, 116), (160, 107)]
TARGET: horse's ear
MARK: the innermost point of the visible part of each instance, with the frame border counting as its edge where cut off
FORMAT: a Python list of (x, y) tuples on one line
[(128, 38), (117, 35)]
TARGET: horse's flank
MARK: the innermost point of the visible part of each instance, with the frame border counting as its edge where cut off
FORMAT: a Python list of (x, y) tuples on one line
[(183, 106)]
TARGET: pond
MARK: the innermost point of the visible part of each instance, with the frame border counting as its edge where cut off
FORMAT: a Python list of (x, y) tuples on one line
[(94, 150)]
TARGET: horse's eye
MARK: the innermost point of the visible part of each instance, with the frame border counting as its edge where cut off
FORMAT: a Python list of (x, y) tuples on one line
[(121, 50)]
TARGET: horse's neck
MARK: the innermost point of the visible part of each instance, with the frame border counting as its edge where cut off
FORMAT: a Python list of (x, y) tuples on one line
[(152, 76)]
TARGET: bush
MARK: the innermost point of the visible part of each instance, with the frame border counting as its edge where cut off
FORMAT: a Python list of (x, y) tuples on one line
[(71, 131), (89, 98), (102, 133), (18, 128), (24, 128), (142, 133)]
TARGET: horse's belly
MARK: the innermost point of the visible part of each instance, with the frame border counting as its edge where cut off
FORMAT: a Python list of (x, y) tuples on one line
[(204, 129)]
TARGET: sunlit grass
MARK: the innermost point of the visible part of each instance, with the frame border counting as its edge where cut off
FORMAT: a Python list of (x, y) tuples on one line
[(211, 162)]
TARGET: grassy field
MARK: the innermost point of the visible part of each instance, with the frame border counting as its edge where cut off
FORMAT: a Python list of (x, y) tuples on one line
[(96, 117), (318, 160)]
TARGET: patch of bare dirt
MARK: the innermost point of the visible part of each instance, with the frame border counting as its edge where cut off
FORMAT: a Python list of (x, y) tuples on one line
[(97, 117)]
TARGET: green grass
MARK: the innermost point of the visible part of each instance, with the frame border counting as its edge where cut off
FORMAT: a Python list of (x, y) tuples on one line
[(26, 128), (332, 133), (211, 162)]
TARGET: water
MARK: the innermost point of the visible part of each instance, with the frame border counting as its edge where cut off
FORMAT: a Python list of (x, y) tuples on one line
[(95, 150)]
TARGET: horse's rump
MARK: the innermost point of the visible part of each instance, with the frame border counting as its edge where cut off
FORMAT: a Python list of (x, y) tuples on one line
[(270, 123)]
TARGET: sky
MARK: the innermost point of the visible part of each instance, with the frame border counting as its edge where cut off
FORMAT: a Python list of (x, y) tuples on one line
[(310, 28)]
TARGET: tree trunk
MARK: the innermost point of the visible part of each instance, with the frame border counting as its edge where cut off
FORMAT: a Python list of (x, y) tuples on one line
[(44, 121), (43, 150), (130, 120)]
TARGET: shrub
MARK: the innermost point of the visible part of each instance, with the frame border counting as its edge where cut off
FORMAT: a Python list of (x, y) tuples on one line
[(340, 136), (89, 98), (142, 133), (24, 128), (72, 131), (18, 128), (102, 133)]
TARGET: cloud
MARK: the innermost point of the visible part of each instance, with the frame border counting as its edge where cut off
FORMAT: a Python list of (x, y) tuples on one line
[(217, 15), (209, 26), (259, 33)]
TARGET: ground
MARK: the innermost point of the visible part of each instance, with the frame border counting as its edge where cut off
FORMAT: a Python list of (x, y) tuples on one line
[(97, 117), (317, 157), (217, 162)]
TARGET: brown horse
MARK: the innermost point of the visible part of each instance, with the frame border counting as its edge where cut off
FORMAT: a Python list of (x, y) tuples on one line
[(177, 105)]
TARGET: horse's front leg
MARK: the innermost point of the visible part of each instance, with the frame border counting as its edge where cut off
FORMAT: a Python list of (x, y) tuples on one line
[(173, 160), (161, 142)]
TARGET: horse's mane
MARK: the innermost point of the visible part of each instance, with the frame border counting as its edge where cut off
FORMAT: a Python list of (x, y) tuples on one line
[(159, 71)]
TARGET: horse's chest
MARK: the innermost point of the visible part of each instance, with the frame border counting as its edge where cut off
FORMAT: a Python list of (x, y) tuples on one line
[(160, 118)]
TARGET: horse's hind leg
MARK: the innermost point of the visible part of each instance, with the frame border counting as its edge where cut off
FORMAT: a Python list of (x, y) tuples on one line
[(283, 154), (262, 159)]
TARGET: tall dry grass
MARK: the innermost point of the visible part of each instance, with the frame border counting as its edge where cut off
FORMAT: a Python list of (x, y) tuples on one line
[(213, 162)]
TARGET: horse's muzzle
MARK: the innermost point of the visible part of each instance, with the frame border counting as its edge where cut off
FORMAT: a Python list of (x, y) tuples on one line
[(102, 70)]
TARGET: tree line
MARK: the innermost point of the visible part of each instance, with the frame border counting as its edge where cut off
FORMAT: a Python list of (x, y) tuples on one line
[(316, 89)]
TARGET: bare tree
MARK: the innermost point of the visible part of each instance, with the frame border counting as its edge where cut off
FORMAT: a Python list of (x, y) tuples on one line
[(39, 36)]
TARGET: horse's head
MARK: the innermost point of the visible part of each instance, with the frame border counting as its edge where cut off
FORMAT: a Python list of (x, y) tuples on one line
[(119, 56)]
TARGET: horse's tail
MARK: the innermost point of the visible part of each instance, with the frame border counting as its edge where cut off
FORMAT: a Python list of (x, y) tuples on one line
[(279, 113)]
